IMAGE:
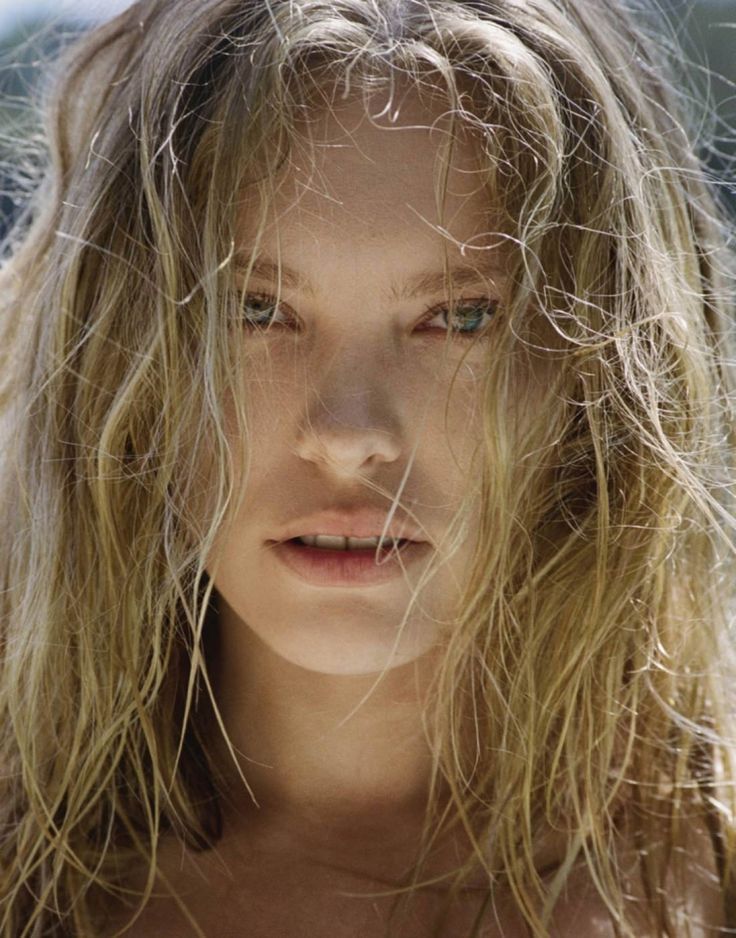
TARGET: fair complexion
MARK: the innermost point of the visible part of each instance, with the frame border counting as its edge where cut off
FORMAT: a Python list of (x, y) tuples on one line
[(339, 398), (351, 380)]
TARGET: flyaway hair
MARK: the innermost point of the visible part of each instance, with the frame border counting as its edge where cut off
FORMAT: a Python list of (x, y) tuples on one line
[(588, 677)]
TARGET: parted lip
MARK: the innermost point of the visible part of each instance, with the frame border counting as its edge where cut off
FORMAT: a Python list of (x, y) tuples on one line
[(358, 522)]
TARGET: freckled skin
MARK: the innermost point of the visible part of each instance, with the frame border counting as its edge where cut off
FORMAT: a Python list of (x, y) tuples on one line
[(348, 396), (264, 892), (338, 398), (344, 398)]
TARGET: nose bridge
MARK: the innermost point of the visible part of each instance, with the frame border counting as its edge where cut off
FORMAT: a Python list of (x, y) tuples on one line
[(351, 408)]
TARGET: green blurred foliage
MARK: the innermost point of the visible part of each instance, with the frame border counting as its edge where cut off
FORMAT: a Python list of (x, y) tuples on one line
[(705, 29), (25, 53)]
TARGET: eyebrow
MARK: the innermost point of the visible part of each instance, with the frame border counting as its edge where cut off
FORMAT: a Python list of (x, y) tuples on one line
[(424, 283)]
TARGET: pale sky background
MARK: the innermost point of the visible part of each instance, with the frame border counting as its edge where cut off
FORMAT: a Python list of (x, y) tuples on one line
[(13, 12)]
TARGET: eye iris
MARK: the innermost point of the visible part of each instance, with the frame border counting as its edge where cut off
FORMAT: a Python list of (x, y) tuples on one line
[(256, 306), (473, 321), (467, 318)]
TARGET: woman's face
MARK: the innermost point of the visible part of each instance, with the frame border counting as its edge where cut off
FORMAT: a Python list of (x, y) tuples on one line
[(353, 383)]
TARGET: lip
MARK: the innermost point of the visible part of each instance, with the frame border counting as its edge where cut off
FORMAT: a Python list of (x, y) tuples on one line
[(354, 522), (346, 567)]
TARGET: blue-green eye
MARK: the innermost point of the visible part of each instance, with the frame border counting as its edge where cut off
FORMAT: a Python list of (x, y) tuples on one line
[(470, 317), (259, 310)]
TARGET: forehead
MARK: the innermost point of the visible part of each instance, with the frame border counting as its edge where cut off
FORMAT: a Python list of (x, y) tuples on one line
[(384, 172)]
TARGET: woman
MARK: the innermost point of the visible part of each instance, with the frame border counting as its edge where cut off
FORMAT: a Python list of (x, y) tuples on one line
[(368, 494)]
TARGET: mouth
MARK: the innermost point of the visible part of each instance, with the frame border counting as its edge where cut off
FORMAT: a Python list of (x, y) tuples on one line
[(349, 544), (348, 566)]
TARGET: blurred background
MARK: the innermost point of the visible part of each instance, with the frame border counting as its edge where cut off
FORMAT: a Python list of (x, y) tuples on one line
[(32, 30)]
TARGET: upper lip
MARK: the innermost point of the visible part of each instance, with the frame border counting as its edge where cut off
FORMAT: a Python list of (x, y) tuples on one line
[(355, 522)]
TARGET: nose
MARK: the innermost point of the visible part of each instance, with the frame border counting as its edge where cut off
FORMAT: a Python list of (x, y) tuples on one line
[(350, 420)]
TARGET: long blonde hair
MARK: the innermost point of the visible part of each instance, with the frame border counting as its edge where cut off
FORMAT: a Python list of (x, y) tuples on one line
[(590, 653)]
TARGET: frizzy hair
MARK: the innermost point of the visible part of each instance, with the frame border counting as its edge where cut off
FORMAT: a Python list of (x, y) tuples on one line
[(590, 653)]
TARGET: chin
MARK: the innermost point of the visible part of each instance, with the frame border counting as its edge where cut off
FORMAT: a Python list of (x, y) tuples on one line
[(332, 655)]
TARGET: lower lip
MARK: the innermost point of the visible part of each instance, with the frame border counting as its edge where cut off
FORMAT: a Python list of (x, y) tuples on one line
[(346, 567)]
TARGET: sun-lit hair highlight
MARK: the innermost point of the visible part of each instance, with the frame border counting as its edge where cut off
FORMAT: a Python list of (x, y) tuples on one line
[(586, 683)]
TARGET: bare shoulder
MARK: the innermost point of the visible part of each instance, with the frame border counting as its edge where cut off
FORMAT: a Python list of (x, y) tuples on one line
[(693, 903), (271, 901)]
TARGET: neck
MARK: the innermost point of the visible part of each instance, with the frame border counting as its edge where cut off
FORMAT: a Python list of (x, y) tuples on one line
[(327, 752)]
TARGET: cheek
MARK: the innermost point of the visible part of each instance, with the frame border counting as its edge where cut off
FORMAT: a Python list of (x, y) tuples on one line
[(458, 420), (266, 407), (275, 380), (440, 403)]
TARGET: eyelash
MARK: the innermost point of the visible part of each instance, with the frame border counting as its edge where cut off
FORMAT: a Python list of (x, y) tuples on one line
[(481, 303)]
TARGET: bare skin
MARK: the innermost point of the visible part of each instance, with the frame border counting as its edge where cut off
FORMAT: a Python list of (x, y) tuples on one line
[(277, 890), (340, 802)]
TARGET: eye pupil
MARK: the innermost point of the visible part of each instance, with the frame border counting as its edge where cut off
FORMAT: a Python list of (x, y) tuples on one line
[(467, 318), (470, 322), (471, 316), (259, 310)]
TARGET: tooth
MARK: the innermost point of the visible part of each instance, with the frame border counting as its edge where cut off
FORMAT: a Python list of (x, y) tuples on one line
[(333, 542), (330, 541), (365, 542)]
